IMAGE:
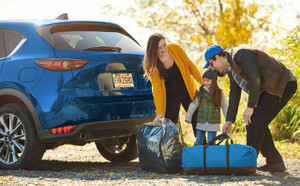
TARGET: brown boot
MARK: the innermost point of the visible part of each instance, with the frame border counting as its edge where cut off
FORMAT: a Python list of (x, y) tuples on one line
[(280, 167)]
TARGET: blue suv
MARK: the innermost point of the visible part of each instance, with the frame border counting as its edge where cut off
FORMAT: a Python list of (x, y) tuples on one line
[(69, 82)]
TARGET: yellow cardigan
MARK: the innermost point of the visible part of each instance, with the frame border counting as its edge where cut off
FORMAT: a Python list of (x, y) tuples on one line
[(187, 69)]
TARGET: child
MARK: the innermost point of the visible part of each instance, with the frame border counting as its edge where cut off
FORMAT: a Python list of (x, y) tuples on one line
[(209, 98)]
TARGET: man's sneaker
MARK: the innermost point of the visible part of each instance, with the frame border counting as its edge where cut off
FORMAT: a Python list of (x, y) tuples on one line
[(280, 167)]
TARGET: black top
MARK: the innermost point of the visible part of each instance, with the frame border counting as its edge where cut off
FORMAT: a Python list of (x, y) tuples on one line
[(174, 82)]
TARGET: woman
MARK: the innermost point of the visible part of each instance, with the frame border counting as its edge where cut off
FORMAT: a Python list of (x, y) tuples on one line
[(172, 75)]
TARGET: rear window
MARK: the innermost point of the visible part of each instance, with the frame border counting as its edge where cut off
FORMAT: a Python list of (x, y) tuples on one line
[(89, 37)]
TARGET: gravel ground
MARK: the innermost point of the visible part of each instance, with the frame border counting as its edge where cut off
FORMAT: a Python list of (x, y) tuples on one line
[(83, 165)]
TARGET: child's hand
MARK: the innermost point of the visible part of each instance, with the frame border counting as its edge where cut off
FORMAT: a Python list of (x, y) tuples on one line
[(188, 122), (227, 127)]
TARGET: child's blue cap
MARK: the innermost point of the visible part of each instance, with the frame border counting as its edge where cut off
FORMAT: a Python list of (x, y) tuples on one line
[(211, 52)]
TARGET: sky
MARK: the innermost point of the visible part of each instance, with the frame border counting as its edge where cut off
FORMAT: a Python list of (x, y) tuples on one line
[(284, 16), (76, 9)]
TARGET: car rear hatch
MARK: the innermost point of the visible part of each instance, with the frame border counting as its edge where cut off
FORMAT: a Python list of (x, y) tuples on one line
[(111, 85)]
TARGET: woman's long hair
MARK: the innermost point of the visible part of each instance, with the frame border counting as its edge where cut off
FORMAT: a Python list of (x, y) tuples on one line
[(151, 61), (215, 94)]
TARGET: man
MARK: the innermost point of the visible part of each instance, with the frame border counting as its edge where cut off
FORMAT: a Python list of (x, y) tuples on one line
[(269, 84)]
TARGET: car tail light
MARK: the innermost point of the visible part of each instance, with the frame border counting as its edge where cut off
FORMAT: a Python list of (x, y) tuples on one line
[(61, 64), (60, 130)]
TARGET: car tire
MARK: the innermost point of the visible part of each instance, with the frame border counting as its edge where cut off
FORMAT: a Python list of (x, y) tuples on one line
[(20, 147), (118, 150)]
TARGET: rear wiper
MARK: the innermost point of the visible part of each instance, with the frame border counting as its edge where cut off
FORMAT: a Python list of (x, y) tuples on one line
[(104, 48)]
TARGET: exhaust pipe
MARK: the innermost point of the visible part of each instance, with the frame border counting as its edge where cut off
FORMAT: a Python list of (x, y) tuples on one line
[(83, 135)]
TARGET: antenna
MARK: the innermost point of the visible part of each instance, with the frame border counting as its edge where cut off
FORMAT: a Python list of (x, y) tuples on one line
[(62, 16)]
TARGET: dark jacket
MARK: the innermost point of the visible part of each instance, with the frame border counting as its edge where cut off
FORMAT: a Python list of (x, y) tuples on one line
[(263, 73)]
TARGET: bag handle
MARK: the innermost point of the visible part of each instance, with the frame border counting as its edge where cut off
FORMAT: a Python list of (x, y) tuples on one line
[(221, 137)]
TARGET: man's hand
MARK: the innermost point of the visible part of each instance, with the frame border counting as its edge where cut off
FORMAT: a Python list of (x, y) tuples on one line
[(157, 118), (227, 127), (247, 115)]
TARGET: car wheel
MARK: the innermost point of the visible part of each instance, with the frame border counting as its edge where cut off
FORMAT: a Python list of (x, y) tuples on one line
[(19, 144), (119, 149)]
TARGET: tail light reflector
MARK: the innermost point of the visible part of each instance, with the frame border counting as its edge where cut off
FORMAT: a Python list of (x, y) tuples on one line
[(61, 64), (60, 130)]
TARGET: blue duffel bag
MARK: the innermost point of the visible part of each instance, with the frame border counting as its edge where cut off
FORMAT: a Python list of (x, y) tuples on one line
[(159, 147), (219, 159)]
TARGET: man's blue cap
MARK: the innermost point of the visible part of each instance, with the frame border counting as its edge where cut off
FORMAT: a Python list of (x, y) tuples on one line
[(211, 52)]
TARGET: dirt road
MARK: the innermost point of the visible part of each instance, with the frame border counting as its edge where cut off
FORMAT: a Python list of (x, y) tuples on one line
[(83, 165)]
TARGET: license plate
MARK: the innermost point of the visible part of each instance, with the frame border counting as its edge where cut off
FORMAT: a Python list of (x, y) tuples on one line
[(123, 80)]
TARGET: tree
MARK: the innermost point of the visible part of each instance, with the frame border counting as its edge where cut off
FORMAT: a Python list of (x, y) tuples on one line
[(238, 22), (195, 24), (287, 123)]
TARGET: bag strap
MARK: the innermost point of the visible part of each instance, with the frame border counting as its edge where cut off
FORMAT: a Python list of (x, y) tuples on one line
[(204, 158), (222, 137), (227, 156)]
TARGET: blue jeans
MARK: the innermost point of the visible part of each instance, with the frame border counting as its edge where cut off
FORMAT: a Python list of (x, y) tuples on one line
[(201, 135)]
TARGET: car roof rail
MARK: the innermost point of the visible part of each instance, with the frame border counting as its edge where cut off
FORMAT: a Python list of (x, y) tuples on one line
[(62, 16)]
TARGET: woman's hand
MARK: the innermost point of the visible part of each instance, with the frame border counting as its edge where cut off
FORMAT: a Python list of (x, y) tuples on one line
[(157, 118)]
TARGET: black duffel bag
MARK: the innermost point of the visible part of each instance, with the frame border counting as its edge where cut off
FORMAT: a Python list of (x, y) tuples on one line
[(159, 147)]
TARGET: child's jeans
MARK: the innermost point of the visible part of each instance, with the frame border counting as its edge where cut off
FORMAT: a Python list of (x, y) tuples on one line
[(201, 135)]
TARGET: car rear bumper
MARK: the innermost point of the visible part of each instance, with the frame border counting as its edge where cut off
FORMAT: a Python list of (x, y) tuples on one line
[(94, 131)]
